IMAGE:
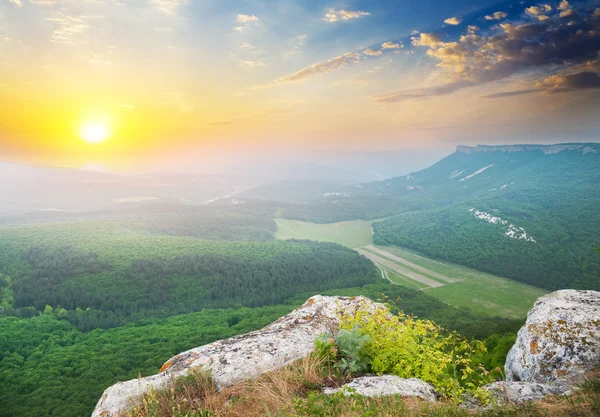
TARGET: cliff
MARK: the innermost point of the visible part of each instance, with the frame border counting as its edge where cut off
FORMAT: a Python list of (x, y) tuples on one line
[(547, 149)]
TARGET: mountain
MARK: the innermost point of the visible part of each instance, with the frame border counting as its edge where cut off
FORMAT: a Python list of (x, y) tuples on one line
[(25, 188), (525, 212)]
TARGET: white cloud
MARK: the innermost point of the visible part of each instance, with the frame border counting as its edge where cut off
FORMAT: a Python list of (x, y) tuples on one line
[(169, 7), (17, 2), (372, 52), (496, 16), (244, 18), (427, 39), (251, 64), (452, 21), (321, 68), (334, 16), (69, 27), (391, 45)]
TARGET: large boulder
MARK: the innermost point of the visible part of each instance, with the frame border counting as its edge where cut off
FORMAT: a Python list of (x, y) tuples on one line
[(377, 386), (246, 356), (560, 340)]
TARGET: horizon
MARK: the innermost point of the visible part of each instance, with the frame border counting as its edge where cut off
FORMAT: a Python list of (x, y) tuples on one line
[(160, 85)]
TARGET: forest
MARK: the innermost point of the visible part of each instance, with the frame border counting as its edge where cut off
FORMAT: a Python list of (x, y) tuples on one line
[(125, 276)]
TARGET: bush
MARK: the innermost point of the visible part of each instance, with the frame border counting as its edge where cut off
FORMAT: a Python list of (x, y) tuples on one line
[(410, 348)]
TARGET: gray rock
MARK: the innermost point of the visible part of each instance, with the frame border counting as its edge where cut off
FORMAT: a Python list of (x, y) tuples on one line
[(560, 340), (377, 386), (246, 356), (505, 392)]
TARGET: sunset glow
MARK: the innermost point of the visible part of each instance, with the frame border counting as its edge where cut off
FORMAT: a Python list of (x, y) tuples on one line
[(186, 78), (94, 133)]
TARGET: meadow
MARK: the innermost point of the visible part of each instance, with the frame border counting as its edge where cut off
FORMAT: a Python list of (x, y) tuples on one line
[(481, 292)]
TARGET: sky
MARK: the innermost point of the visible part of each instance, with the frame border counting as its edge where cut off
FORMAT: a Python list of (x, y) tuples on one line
[(173, 82)]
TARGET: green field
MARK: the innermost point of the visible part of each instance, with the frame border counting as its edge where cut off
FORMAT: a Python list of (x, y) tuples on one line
[(353, 234), (481, 292)]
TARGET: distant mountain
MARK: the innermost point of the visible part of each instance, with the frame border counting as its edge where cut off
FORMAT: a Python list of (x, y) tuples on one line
[(527, 212), (25, 188), (295, 191)]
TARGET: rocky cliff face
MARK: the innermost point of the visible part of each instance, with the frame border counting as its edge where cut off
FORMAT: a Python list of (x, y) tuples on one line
[(547, 149), (246, 356), (559, 342)]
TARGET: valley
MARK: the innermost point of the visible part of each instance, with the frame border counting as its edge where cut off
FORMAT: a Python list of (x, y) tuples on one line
[(456, 285)]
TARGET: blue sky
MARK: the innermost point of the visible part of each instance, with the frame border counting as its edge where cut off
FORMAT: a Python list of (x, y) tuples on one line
[(297, 75)]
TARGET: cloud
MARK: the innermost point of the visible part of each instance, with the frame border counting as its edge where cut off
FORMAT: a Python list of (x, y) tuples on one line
[(17, 2), (597, 12), (179, 100), (420, 92), (245, 21), (476, 60), (511, 93), (244, 18), (427, 39), (299, 43), (69, 27), (246, 45), (321, 68), (537, 11), (334, 16), (452, 21), (577, 81), (169, 7), (564, 5), (391, 45), (372, 52), (496, 16), (251, 64)]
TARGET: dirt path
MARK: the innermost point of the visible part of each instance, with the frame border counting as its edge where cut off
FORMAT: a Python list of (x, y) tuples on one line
[(397, 268), (410, 264)]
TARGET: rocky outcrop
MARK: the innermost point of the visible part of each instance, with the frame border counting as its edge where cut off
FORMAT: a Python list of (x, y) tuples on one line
[(246, 356), (377, 386), (504, 392), (560, 340)]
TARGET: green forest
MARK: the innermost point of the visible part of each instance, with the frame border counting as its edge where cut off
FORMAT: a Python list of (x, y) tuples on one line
[(98, 275)]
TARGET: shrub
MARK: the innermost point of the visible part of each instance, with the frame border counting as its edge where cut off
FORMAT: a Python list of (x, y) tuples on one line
[(411, 348)]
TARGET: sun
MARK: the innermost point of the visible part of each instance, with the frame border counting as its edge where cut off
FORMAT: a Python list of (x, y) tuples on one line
[(94, 132)]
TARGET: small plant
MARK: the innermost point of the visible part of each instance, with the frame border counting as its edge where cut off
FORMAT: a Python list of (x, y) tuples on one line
[(407, 347)]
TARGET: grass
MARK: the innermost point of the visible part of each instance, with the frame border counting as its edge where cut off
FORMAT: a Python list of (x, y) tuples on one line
[(353, 234), (295, 391), (481, 292)]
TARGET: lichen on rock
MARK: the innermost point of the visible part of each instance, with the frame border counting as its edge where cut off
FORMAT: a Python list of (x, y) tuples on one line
[(560, 340), (377, 386), (245, 356)]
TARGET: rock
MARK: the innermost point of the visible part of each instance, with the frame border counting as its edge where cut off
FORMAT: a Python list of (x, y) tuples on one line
[(560, 340), (246, 356), (504, 392), (377, 386)]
